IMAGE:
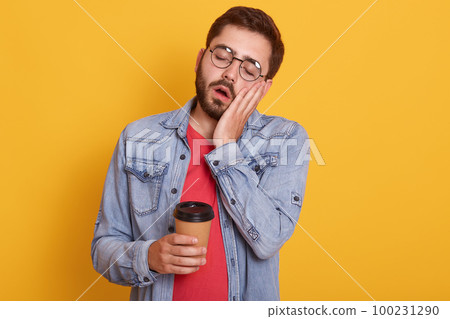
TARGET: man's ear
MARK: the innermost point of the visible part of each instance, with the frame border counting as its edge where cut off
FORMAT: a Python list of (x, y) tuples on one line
[(199, 58), (268, 85)]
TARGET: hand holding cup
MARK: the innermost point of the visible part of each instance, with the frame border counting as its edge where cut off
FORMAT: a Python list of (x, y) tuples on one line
[(185, 251), (176, 254)]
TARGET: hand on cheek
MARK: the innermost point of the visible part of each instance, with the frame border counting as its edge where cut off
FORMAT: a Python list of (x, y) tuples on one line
[(231, 124)]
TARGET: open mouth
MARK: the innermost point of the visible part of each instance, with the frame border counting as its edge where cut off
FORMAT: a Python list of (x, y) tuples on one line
[(222, 93)]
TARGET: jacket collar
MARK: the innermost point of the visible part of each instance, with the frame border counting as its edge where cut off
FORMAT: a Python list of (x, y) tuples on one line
[(179, 119)]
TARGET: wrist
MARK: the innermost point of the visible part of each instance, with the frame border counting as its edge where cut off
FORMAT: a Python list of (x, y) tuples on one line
[(218, 142), (151, 252)]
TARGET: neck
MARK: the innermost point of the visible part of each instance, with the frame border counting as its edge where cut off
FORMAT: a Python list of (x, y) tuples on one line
[(202, 122)]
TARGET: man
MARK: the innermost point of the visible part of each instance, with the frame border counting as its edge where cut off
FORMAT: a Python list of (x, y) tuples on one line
[(253, 173)]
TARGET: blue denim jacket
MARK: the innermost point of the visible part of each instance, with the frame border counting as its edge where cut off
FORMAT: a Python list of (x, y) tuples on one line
[(261, 183)]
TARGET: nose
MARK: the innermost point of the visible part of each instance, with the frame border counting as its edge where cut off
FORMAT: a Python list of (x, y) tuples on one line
[(231, 73)]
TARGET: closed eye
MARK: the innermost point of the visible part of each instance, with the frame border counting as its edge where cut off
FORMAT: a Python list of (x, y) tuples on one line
[(248, 72)]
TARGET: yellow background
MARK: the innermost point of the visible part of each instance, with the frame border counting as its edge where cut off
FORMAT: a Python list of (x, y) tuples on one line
[(376, 105)]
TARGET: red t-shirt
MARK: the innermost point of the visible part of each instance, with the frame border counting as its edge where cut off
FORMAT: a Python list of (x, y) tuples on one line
[(210, 282)]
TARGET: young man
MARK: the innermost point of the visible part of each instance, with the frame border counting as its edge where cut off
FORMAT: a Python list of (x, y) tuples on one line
[(251, 168)]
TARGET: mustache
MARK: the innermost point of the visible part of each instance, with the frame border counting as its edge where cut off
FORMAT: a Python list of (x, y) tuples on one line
[(226, 84)]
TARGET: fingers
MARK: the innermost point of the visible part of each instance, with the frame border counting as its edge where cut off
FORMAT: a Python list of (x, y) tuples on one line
[(176, 254), (186, 261), (168, 268), (256, 94), (187, 251), (255, 99), (238, 99), (250, 99), (178, 239), (247, 99), (182, 270)]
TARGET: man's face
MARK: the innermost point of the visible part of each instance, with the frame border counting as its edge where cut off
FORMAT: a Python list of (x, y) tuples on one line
[(217, 88)]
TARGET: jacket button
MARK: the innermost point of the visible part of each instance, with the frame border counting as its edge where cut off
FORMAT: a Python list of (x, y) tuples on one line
[(257, 168), (216, 162), (146, 174), (171, 229), (232, 201), (182, 157), (146, 279), (173, 191), (296, 198)]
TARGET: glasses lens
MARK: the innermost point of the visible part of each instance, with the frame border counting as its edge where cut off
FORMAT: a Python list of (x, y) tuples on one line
[(221, 57), (250, 70)]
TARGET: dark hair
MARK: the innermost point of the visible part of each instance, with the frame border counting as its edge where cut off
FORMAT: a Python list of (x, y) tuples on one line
[(257, 21)]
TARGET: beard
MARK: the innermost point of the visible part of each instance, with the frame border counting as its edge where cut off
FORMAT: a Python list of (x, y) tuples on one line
[(214, 108)]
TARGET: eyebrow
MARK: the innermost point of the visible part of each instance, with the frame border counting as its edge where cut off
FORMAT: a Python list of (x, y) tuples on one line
[(245, 57)]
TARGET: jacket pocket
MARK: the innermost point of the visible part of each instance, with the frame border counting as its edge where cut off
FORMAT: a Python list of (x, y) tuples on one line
[(144, 184)]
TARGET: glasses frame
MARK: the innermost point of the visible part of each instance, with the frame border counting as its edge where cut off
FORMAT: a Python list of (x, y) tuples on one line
[(231, 62)]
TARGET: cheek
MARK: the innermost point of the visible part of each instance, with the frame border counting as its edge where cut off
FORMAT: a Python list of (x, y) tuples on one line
[(242, 85), (210, 75)]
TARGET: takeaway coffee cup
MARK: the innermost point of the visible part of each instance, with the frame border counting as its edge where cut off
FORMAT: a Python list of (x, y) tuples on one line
[(194, 219)]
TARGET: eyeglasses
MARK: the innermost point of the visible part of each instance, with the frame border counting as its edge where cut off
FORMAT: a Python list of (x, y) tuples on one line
[(222, 57)]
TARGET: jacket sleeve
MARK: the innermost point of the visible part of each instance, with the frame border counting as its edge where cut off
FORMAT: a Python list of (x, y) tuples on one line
[(264, 208), (115, 254)]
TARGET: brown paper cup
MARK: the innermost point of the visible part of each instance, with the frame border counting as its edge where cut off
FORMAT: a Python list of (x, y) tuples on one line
[(194, 219)]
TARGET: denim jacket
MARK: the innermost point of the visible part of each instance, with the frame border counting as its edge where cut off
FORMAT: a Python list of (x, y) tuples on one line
[(260, 189)]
